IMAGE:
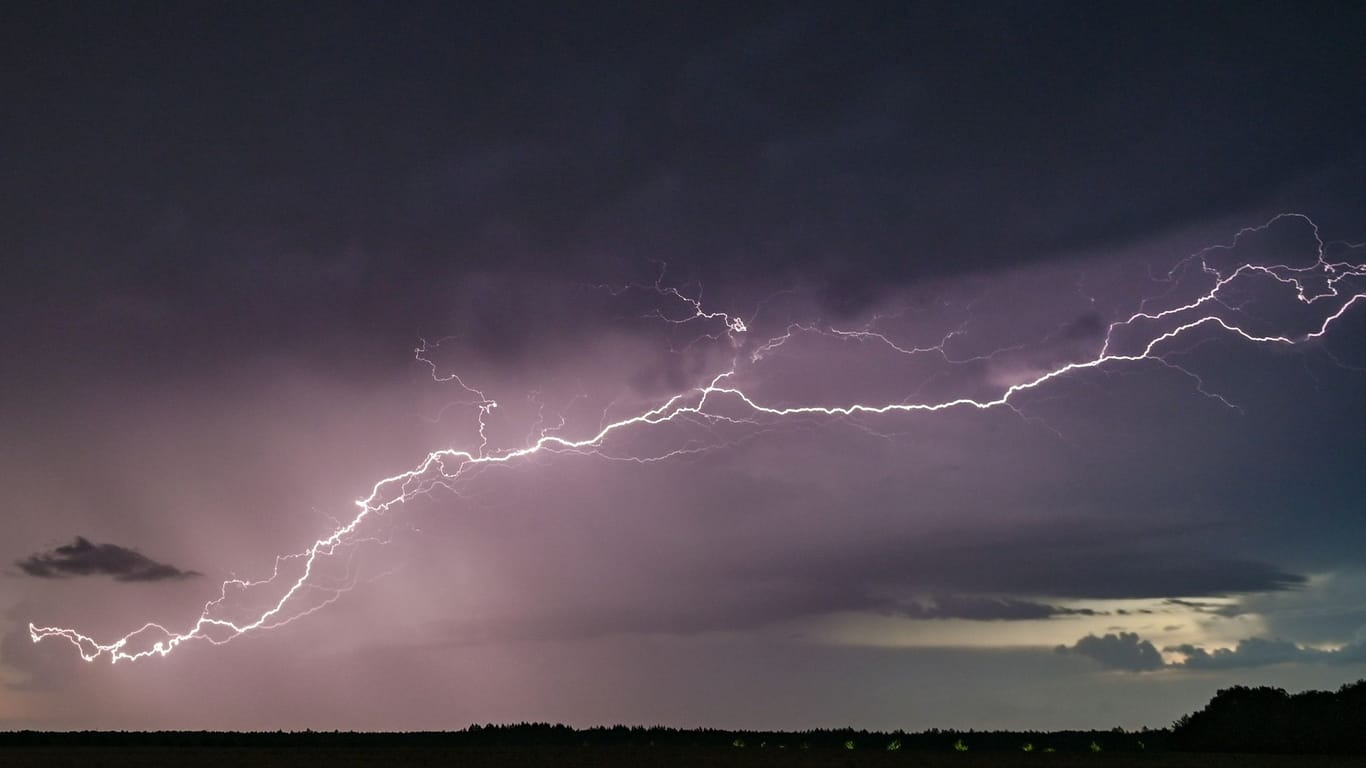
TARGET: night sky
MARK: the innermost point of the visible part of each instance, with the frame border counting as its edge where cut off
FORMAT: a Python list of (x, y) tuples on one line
[(741, 365)]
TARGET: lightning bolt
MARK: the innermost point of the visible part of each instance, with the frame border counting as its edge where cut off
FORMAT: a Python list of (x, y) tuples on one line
[(1325, 288)]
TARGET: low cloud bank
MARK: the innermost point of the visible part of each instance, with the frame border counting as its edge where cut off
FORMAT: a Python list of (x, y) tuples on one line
[(1127, 651)]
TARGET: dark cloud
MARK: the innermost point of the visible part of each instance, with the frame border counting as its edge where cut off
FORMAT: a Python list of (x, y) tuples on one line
[(854, 148), (977, 608), (1126, 651), (1226, 610), (84, 558), (1043, 560), (1261, 652), (735, 607), (1250, 652)]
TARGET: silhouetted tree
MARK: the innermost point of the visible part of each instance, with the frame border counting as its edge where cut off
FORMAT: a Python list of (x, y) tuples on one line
[(1264, 719)]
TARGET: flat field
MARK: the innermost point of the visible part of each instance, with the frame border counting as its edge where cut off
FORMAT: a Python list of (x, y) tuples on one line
[(611, 756)]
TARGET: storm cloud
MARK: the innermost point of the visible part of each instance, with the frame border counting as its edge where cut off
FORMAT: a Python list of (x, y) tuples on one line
[(84, 558)]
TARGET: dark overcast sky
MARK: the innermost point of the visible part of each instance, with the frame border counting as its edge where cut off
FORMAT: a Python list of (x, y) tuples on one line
[(223, 229)]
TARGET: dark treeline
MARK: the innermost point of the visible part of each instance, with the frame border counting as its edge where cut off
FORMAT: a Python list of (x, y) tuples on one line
[(1269, 720), (1238, 719), (546, 734)]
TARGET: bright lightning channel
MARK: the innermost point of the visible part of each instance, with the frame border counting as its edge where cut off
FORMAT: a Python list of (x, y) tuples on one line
[(1337, 287)]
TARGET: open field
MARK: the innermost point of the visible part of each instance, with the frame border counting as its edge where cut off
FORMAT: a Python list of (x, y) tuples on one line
[(476, 757)]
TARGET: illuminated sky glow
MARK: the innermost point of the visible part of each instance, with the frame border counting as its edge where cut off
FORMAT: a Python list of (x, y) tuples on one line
[(1333, 285)]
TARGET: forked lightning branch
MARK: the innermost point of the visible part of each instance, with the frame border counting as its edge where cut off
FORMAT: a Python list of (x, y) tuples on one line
[(1327, 287)]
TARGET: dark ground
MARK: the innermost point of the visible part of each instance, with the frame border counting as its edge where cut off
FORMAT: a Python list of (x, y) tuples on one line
[(346, 757)]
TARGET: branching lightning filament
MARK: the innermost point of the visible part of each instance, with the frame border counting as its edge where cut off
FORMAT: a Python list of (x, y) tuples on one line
[(1326, 289)]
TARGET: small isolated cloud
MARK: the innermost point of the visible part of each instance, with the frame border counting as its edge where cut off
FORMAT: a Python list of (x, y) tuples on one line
[(85, 558), (979, 608), (1125, 650)]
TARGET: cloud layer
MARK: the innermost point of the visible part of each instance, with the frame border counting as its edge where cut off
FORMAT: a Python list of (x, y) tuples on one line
[(980, 608), (1128, 651)]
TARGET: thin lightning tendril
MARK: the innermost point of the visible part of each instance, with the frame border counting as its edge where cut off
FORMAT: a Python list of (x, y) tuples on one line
[(1336, 284)]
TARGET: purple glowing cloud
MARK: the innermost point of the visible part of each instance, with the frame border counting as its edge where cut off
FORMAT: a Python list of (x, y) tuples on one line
[(1266, 300)]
